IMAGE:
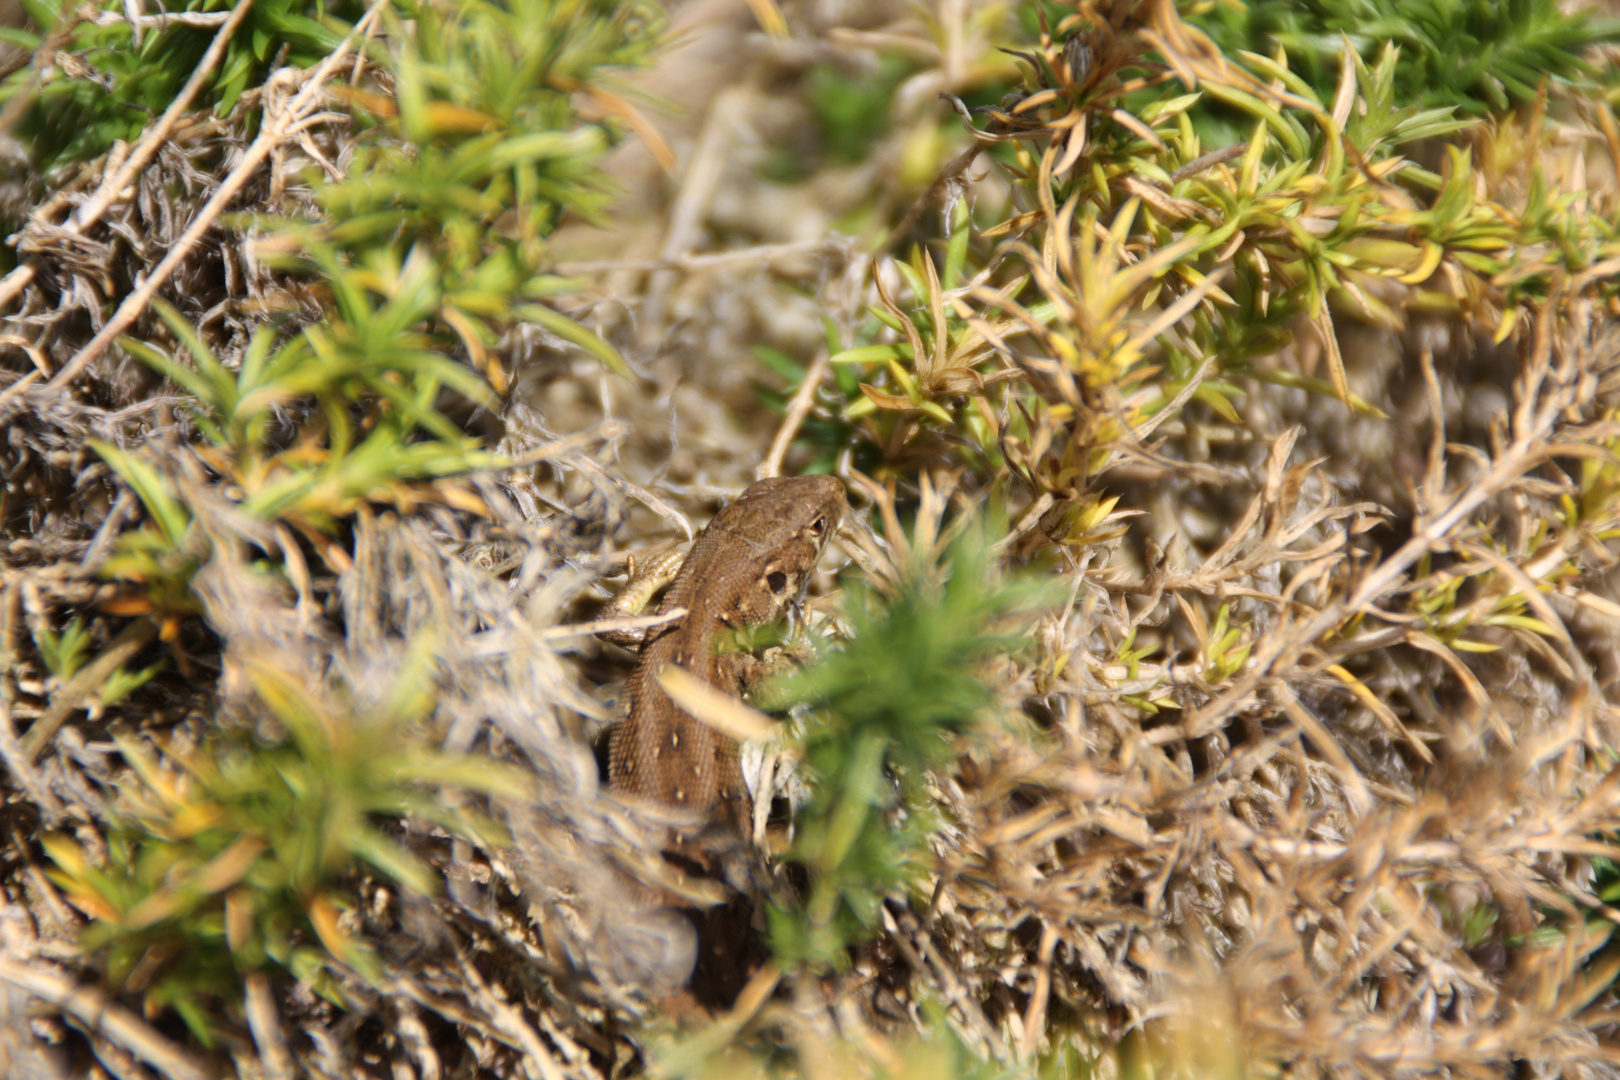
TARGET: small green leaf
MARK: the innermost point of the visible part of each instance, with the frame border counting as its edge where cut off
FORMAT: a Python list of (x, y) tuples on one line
[(120, 683), (868, 354), (165, 510), (64, 654), (569, 330)]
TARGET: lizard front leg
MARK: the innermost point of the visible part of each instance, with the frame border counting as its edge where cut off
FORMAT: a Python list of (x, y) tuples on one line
[(646, 577)]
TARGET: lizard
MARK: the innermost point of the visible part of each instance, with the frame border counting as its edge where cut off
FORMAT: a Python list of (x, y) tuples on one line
[(745, 570)]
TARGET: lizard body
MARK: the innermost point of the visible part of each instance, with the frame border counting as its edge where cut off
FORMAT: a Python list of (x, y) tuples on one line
[(745, 570)]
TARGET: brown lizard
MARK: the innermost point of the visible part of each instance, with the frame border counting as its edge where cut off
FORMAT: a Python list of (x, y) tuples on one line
[(745, 570)]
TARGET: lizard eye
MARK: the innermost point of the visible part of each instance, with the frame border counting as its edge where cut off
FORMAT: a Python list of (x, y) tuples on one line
[(776, 581)]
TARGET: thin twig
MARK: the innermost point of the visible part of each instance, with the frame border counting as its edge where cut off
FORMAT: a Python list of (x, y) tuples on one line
[(636, 492), (265, 1023), (112, 186), (1530, 428), (635, 622), (90, 678), (274, 132), (100, 1014), (107, 532), (759, 253), (537, 1060), (200, 20), (21, 766), (691, 207), (1035, 1014), (19, 386), (936, 191), (1208, 161), (804, 399)]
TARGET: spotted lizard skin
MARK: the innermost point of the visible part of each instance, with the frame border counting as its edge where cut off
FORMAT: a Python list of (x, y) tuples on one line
[(745, 570)]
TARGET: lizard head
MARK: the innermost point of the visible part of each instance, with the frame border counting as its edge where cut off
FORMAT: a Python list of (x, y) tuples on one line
[(777, 530)]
